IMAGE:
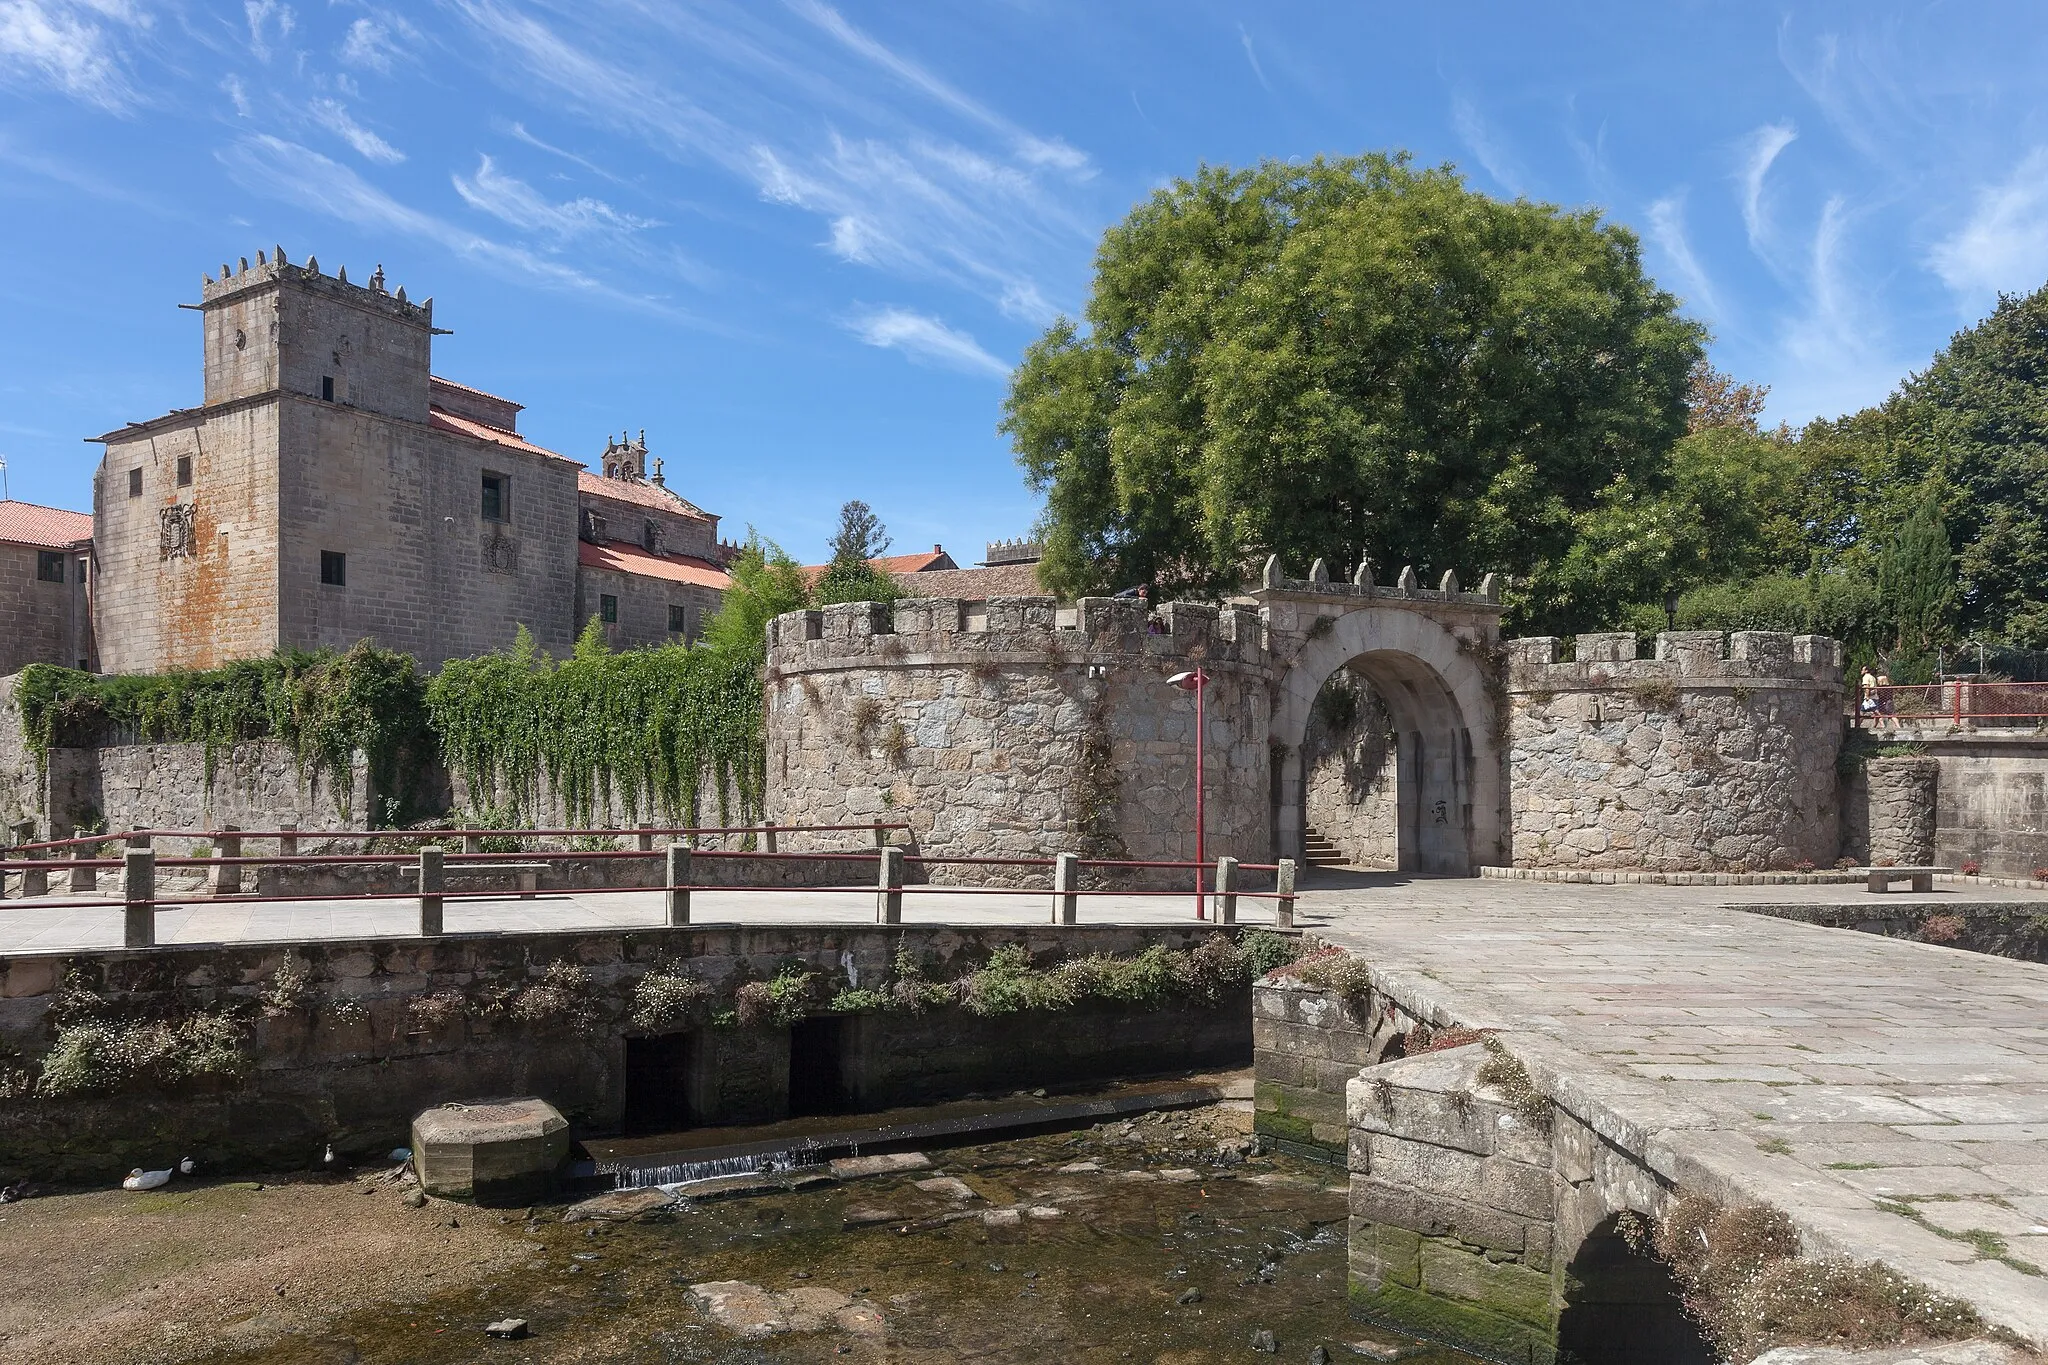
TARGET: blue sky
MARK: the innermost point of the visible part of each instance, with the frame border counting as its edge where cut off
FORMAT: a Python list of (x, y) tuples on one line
[(801, 244)]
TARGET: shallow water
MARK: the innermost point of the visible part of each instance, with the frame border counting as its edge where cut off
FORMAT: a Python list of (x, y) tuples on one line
[(1097, 1273)]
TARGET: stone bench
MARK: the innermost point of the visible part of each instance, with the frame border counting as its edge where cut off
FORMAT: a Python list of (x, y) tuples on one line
[(528, 874), (1880, 879)]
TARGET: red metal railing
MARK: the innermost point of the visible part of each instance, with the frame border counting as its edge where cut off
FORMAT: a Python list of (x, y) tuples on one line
[(1953, 703)]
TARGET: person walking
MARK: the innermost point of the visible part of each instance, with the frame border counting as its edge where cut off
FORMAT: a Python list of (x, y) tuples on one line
[(1887, 709), (1866, 701)]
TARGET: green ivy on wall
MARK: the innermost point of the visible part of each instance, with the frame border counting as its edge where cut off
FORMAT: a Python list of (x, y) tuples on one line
[(325, 706), (651, 724)]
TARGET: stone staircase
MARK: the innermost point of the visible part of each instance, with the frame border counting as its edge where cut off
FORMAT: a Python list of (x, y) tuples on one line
[(1318, 851)]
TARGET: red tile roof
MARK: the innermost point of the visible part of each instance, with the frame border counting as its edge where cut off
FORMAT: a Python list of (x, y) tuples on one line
[(50, 528), (441, 420), (471, 388), (631, 559), (993, 580), (639, 494), (935, 560)]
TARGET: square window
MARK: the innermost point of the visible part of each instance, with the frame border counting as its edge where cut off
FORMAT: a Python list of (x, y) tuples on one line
[(184, 471), (135, 483), (678, 619), (50, 566), (333, 569), (327, 388), (608, 608), (497, 498)]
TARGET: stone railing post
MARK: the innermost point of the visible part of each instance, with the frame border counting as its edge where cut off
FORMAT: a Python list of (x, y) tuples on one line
[(768, 836), (1283, 884), (433, 882), (643, 837), (678, 883), (84, 878), (1226, 890), (35, 881), (138, 894), (472, 843), (227, 877), (881, 835), (1066, 880), (288, 839), (141, 839), (889, 889), (6, 852)]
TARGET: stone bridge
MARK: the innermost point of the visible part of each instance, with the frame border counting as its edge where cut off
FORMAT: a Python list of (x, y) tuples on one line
[(1889, 1096)]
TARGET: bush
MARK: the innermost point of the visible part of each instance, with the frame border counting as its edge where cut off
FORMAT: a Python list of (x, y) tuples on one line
[(104, 1055), (776, 1003), (562, 995), (667, 998)]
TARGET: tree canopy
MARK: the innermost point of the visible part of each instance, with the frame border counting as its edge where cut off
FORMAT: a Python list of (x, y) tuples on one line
[(1345, 358)]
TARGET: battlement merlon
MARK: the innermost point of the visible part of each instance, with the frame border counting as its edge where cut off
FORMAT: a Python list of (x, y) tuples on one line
[(1406, 588), (1688, 658), (271, 270), (874, 634)]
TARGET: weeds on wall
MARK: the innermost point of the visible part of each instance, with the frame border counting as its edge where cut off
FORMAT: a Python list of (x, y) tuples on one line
[(100, 1049), (1096, 788), (649, 724), (1746, 1285), (324, 706)]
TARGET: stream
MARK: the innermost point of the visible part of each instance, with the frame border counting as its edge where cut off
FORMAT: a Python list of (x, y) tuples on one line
[(1153, 1239)]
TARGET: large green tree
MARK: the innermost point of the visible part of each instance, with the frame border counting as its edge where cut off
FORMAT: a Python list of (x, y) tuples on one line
[(1345, 358)]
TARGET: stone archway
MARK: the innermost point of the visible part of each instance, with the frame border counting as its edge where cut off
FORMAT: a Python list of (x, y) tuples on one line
[(1433, 658)]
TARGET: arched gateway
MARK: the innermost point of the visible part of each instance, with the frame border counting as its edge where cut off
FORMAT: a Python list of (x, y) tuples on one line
[(1433, 661)]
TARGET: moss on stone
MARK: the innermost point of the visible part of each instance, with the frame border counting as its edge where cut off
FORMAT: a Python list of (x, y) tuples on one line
[(1455, 1322)]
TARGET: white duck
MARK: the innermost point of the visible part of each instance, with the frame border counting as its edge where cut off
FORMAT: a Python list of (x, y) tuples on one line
[(139, 1179)]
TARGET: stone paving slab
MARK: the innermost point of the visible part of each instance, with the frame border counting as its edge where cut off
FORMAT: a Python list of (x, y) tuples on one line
[(1890, 1095)]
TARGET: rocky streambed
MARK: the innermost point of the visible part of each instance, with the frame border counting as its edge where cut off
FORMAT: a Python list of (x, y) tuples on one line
[(1170, 1237)]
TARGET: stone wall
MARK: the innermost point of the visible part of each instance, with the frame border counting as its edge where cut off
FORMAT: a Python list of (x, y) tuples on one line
[(1991, 801), (1351, 773), (644, 604), (380, 1029), (1889, 808), (1686, 762), (1018, 728), (43, 622), (1307, 1044)]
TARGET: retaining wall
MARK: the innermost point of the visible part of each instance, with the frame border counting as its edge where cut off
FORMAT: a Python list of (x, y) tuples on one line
[(382, 1029)]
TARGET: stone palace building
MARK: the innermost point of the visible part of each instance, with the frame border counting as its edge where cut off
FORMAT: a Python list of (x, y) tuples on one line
[(329, 488)]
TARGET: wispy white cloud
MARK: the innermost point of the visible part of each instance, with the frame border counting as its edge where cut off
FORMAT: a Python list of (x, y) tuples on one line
[(1760, 150), (71, 46), (275, 168), (775, 107), (1251, 55), (2003, 244), (1667, 230), (231, 86), (1478, 136), (512, 200), (270, 24), (331, 115), (926, 339), (1835, 354), (374, 42)]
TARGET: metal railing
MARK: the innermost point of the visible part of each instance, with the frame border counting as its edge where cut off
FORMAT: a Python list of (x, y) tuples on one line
[(1953, 703), (429, 867)]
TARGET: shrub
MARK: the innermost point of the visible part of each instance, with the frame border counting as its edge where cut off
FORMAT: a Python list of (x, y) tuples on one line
[(1655, 694), (1504, 1072), (562, 995), (103, 1055), (1266, 952), (1942, 928), (287, 990), (436, 1011), (666, 998), (1744, 1282), (1972, 867), (776, 1003), (1007, 983)]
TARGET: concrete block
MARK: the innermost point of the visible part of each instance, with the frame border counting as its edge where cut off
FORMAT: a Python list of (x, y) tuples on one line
[(499, 1152)]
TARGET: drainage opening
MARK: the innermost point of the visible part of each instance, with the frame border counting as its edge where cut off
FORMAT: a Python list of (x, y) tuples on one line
[(658, 1072), (817, 1077)]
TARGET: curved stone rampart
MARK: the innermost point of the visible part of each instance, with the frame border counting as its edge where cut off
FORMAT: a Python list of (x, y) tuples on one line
[(1020, 728), (1691, 761)]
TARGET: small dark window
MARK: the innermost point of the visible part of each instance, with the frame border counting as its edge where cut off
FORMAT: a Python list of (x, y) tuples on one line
[(327, 388), (50, 566), (184, 471), (678, 618), (497, 498), (608, 608), (650, 537), (334, 568), (135, 483)]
